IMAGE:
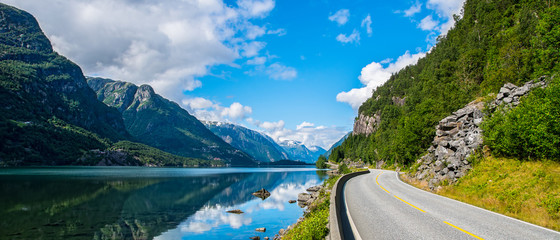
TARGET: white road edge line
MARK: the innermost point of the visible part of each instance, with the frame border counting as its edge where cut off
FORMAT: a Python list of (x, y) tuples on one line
[(352, 225), (495, 213)]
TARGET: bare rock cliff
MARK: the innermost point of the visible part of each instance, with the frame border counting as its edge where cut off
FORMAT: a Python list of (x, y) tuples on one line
[(366, 124)]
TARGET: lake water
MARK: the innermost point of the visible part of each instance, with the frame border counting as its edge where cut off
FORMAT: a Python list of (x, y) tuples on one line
[(149, 203)]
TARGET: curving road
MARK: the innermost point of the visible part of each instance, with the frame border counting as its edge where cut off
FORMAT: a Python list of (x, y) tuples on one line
[(381, 206)]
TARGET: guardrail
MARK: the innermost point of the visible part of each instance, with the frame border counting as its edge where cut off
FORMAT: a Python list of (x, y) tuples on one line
[(336, 232)]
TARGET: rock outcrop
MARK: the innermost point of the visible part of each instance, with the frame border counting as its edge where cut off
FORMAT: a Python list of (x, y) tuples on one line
[(366, 124), (459, 135)]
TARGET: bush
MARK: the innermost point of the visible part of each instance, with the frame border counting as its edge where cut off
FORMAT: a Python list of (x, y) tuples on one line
[(531, 130), (321, 162), (343, 169)]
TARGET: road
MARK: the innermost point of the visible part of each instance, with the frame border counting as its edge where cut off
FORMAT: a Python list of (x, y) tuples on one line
[(381, 206)]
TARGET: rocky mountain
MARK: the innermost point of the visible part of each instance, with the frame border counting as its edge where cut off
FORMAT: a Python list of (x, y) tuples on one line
[(49, 115), (163, 124), (336, 144), (298, 151), (258, 145)]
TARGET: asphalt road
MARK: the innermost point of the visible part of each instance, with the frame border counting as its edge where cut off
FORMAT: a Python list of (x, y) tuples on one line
[(381, 206)]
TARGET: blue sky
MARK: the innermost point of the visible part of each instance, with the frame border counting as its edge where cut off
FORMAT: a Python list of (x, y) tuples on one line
[(295, 70)]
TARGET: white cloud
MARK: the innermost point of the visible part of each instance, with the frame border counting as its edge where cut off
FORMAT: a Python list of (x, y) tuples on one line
[(304, 125), (257, 61), (352, 38), (367, 24), (414, 9), (197, 103), (279, 32), (206, 110), (165, 45), (374, 75), (428, 23), (341, 16), (256, 8), (236, 111), (280, 72), (252, 49)]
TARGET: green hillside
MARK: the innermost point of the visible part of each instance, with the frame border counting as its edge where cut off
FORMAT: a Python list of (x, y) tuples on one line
[(493, 43), (163, 124)]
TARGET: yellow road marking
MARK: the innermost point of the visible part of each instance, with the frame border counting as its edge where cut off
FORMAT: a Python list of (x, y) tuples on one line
[(380, 184), (396, 195), (462, 230), (409, 204)]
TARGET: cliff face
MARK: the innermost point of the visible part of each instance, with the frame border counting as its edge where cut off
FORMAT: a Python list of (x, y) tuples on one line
[(160, 123), (49, 94), (366, 124)]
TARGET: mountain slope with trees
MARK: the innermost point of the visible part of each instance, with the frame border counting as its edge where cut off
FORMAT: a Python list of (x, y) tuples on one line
[(492, 43), (163, 124), (257, 145)]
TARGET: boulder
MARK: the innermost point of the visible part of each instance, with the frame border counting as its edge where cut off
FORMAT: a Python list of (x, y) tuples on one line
[(260, 229), (292, 201), (236, 211), (262, 194), (315, 188), (304, 197)]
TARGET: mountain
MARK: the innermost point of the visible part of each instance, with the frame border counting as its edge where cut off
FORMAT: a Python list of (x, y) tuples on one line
[(298, 151), (256, 144), (49, 115), (336, 144), (492, 43), (163, 124)]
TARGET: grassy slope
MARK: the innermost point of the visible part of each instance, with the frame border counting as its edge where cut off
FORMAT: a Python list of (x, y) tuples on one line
[(529, 191)]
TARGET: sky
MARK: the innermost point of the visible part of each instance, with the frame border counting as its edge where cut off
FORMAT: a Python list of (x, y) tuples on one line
[(292, 69)]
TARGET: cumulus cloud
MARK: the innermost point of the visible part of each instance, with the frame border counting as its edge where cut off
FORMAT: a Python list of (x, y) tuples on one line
[(428, 23), (165, 45), (374, 75), (278, 71), (236, 111), (367, 24), (414, 9), (207, 110), (352, 38), (340, 17)]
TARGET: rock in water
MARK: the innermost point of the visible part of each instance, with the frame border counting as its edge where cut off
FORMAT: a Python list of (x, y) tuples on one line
[(236, 211), (260, 229), (292, 201), (263, 194), (255, 238)]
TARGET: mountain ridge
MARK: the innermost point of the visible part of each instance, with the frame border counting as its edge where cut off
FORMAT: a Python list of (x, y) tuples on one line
[(161, 123)]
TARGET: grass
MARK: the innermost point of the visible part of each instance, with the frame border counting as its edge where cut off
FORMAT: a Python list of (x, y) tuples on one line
[(314, 225), (526, 190)]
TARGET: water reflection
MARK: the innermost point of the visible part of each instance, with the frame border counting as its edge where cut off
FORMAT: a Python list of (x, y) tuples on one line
[(75, 206), (273, 213)]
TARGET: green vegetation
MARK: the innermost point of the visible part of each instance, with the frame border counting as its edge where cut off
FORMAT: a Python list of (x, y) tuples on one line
[(314, 225), (530, 130), (527, 190), (155, 121), (343, 169), (495, 42), (154, 157), (321, 162)]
